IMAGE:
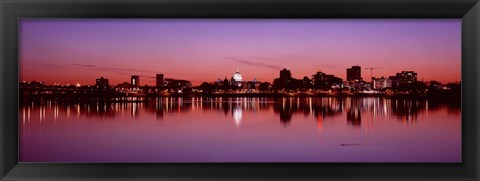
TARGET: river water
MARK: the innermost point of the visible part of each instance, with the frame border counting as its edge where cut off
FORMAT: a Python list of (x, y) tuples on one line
[(291, 129)]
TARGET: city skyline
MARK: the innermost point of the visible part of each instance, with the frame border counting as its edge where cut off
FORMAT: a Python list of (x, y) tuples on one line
[(79, 51), (134, 80)]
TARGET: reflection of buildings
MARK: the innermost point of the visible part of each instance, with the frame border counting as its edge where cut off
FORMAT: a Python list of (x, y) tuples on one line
[(354, 114), (407, 110), (356, 110), (284, 110), (318, 107), (237, 115)]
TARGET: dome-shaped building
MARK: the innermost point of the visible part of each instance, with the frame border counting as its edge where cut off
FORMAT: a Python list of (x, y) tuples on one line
[(237, 76)]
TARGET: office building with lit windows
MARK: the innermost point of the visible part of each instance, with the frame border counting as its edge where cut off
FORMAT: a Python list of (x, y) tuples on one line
[(135, 80)]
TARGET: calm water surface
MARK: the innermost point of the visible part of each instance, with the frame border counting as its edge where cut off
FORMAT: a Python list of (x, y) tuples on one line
[(242, 130)]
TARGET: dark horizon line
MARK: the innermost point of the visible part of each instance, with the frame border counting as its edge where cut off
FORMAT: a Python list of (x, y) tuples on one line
[(454, 82)]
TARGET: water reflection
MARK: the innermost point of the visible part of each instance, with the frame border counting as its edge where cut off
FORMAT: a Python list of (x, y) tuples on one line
[(291, 129), (284, 109), (237, 115)]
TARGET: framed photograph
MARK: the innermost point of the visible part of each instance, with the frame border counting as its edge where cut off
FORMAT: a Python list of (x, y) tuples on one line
[(239, 90)]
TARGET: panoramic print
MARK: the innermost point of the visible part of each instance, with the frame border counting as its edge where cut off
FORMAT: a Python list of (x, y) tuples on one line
[(240, 90)]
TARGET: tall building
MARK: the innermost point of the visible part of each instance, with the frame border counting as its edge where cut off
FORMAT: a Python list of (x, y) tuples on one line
[(160, 80), (354, 73), (135, 80), (225, 82), (285, 74), (102, 83), (285, 81)]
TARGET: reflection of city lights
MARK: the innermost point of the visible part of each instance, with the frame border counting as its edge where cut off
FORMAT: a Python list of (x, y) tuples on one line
[(23, 110), (310, 105), (78, 110), (237, 115), (55, 112), (426, 107), (362, 113), (28, 115), (134, 109), (68, 111), (319, 123)]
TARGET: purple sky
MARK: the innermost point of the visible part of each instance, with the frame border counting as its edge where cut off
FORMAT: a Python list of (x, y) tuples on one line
[(81, 50)]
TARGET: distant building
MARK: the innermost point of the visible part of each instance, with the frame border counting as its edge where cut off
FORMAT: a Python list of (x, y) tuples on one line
[(135, 80), (38, 84), (358, 86), (232, 81), (177, 85), (102, 83), (285, 74), (225, 82), (435, 85), (255, 84), (251, 86), (285, 81), (306, 82), (381, 83), (323, 80), (160, 80), (124, 85), (395, 82), (354, 73), (218, 82), (237, 77), (406, 77)]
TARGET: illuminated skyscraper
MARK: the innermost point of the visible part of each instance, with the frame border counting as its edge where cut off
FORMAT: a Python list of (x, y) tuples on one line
[(135, 80)]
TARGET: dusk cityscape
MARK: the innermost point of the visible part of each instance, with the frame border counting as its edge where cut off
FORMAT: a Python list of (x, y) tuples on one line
[(240, 90), (404, 83)]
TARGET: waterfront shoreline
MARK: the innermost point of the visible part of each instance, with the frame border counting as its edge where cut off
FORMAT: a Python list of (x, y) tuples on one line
[(150, 98)]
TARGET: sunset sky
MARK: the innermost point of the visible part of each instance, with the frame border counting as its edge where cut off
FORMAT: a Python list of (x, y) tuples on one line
[(71, 51)]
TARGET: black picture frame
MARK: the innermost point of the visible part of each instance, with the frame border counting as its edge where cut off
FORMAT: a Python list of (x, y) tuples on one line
[(12, 10)]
